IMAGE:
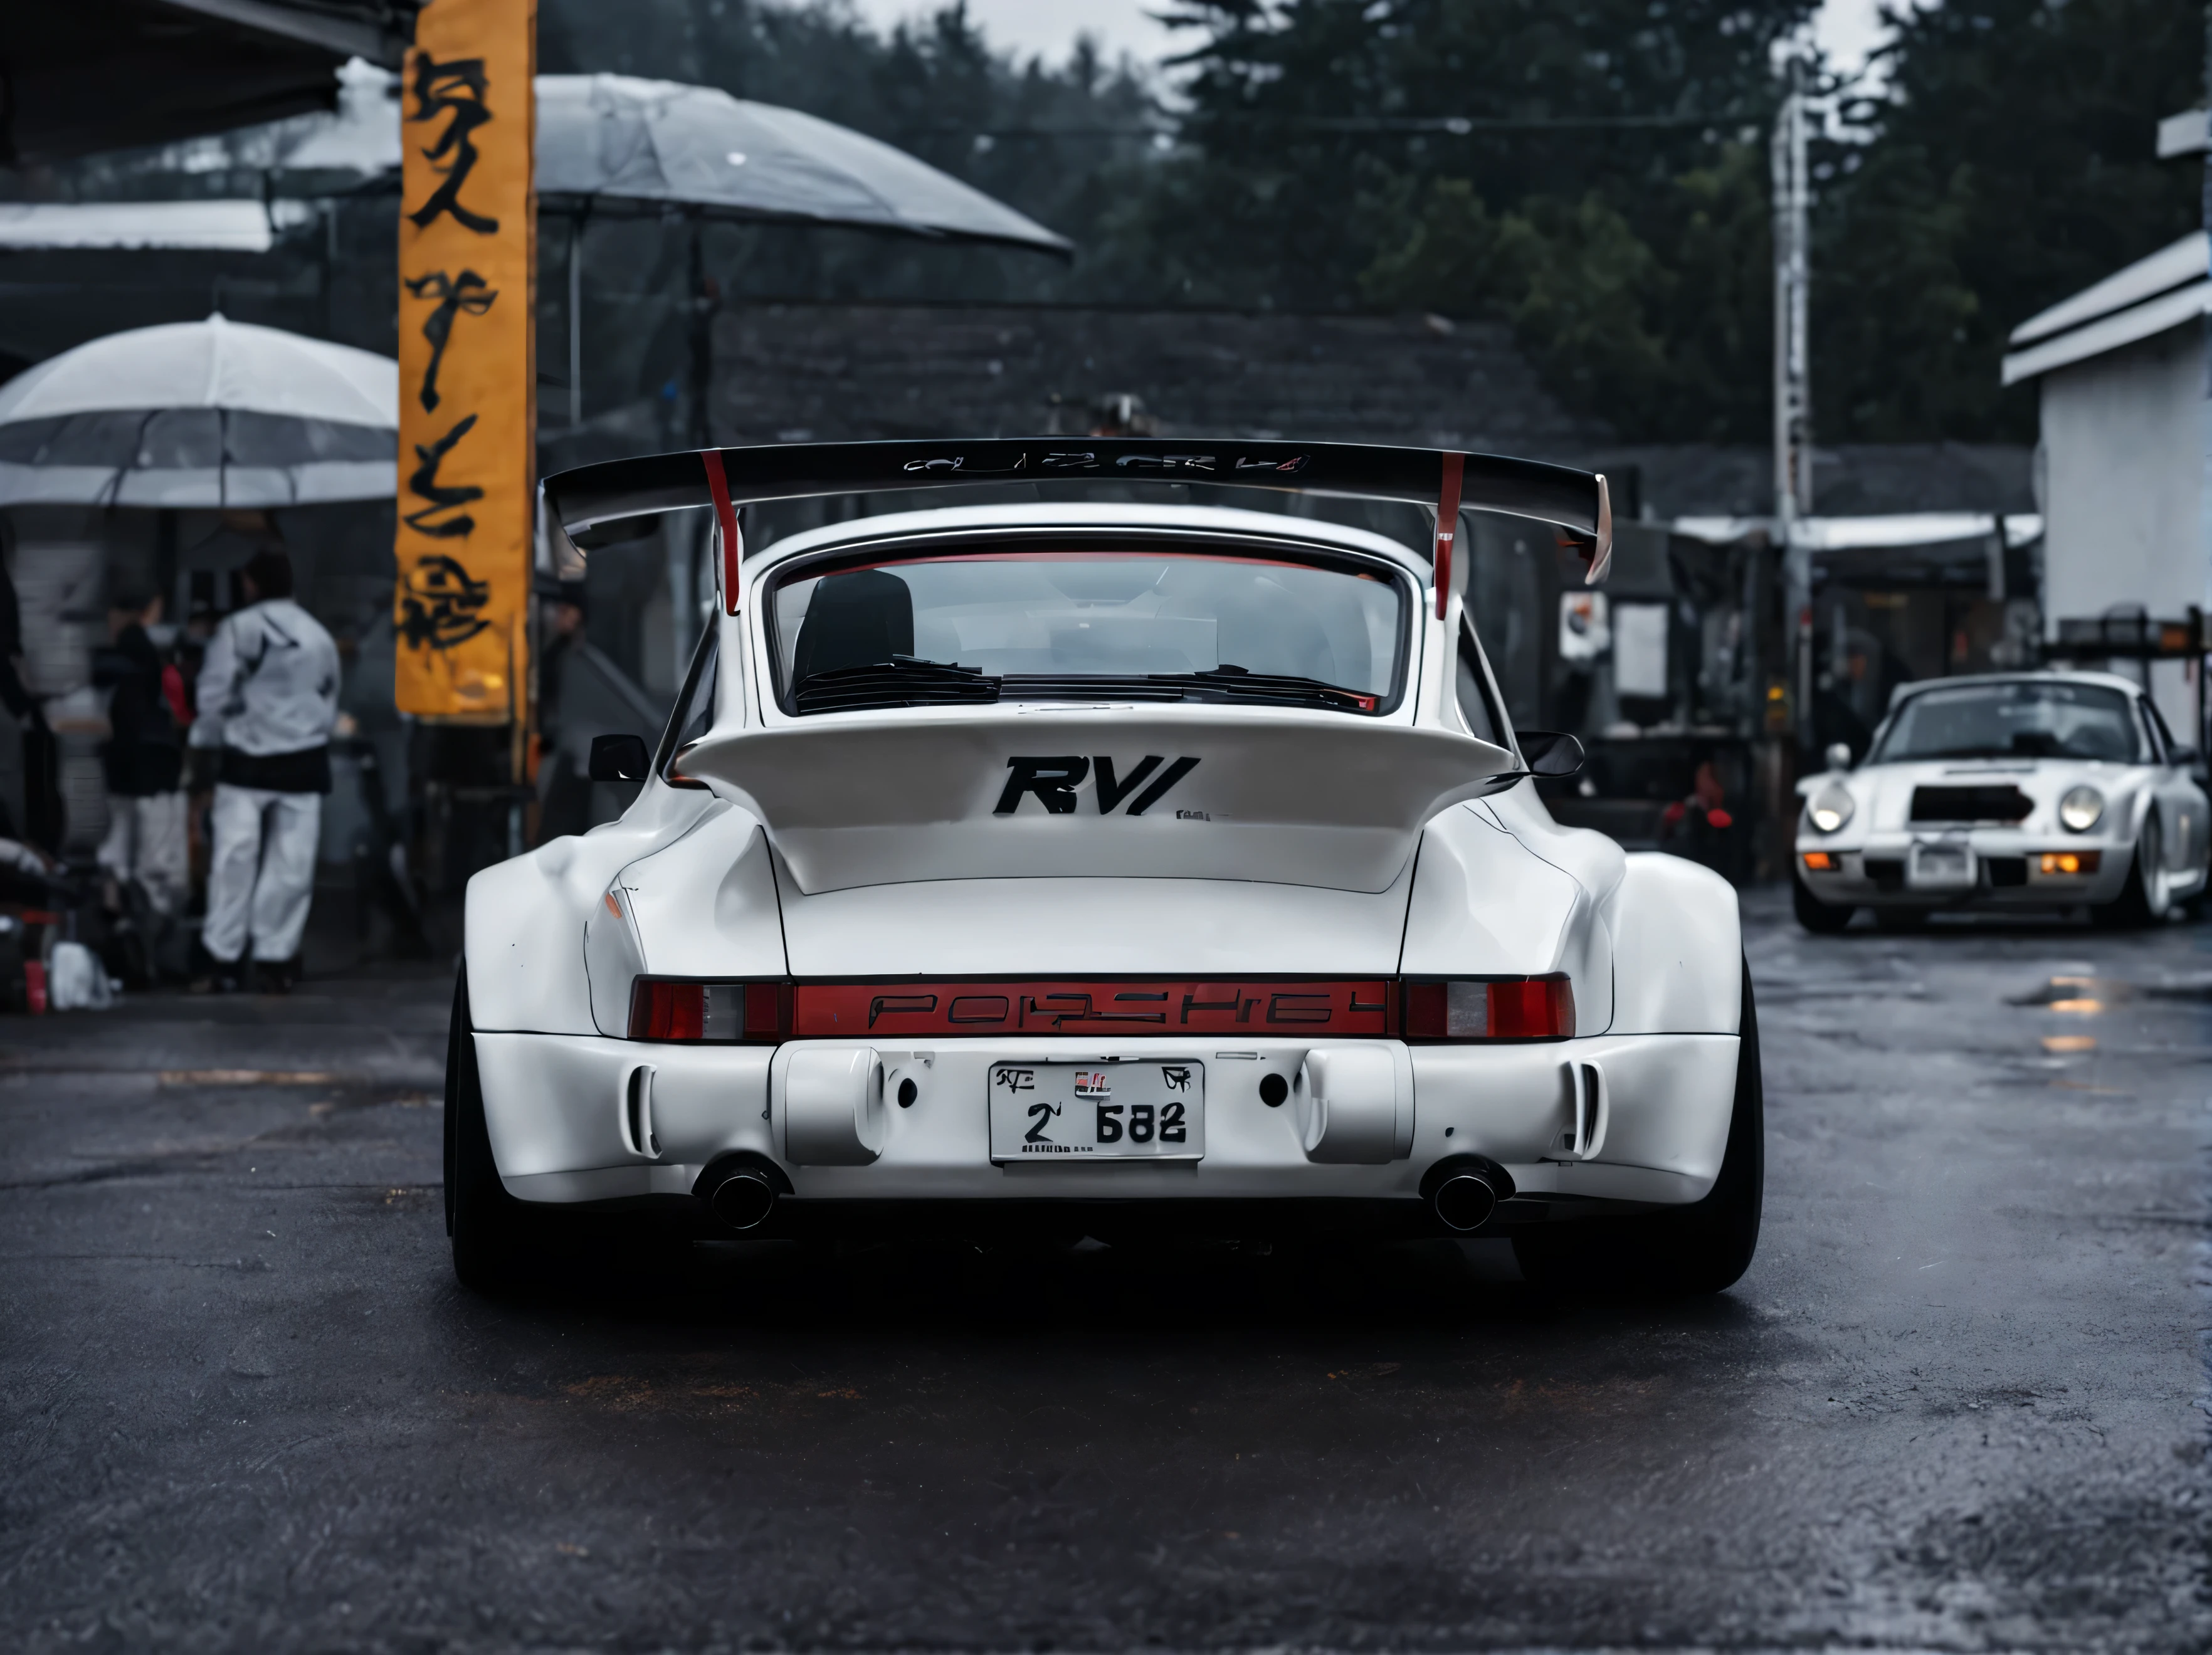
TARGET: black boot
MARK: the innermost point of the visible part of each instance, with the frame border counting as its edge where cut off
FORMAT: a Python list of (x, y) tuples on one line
[(212, 976)]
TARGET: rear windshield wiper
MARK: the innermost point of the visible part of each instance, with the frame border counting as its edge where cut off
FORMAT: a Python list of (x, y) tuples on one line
[(904, 681), (900, 682), (1216, 684), (1233, 684)]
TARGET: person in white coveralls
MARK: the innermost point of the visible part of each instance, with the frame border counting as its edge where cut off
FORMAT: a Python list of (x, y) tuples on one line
[(267, 695)]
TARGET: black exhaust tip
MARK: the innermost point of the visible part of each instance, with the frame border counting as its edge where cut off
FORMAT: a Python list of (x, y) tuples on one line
[(1465, 1201), (743, 1200)]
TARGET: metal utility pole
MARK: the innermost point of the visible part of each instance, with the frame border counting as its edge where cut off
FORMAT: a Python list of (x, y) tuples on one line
[(2203, 662), (1793, 390)]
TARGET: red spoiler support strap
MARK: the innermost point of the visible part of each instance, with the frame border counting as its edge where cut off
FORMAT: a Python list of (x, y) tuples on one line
[(725, 519), (1447, 527)]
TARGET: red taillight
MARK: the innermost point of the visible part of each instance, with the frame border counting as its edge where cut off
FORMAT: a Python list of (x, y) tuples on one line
[(667, 1012), (1493, 1008), (751, 1013)]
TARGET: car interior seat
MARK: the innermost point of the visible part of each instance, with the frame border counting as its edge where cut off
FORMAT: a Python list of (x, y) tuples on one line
[(857, 620)]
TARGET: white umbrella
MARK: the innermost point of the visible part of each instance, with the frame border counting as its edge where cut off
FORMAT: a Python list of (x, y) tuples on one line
[(611, 144), (614, 138), (608, 140), (201, 414)]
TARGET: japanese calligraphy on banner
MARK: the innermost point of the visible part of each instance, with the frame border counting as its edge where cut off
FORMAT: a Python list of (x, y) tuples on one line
[(468, 373)]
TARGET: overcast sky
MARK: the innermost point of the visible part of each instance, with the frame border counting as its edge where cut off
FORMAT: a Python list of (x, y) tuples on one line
[(1847, 28)]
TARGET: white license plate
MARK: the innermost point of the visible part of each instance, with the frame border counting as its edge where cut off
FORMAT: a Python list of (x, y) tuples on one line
[(1126, 1111), (1941, 866)]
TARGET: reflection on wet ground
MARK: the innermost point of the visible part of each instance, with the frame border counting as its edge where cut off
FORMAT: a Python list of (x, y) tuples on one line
[(1955, 1404)]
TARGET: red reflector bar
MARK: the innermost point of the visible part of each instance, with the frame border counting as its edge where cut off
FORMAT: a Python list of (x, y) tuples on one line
[(1491, 1008), (765, 1013), (1164, 1006), (768, 1011)]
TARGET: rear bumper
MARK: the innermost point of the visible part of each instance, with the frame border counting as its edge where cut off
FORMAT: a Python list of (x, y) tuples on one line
[(2008, 871), (562, 1113)]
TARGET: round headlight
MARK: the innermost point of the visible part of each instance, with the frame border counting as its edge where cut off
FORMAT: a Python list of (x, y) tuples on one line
[(1831, 809), (2079, 811)]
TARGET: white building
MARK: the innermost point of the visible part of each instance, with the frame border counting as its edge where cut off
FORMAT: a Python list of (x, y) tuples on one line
[(2120, 467)]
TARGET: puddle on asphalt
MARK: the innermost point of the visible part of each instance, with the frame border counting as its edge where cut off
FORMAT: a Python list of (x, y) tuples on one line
[(2080, 996), (2077, 992)]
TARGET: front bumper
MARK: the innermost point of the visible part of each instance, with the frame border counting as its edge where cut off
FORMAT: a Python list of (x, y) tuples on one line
[(2008, 869), (563, 1114)]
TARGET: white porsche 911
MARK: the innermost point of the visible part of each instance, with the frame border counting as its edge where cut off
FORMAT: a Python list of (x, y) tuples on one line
[(1050, 869), (2026, 789)]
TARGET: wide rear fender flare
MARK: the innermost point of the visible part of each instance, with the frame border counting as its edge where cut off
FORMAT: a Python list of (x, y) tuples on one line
[(1677, 949)]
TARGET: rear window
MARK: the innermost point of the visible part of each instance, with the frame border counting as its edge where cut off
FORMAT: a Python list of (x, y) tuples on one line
[(1047, 624)]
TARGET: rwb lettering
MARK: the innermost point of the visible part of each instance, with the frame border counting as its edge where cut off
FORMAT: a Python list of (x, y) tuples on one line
[(1054, 781)]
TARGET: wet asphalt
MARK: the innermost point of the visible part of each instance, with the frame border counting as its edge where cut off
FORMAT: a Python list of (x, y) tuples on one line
[(1957, 1403)]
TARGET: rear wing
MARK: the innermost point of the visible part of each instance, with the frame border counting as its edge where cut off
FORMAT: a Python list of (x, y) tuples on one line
[(1447, 482)]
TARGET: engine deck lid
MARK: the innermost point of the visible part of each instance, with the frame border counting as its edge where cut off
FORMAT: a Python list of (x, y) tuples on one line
[(1275, 796)]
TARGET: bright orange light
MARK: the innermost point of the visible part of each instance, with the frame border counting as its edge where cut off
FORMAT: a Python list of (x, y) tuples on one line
[(1820, 861), (2056, 1043), (2070, 862)]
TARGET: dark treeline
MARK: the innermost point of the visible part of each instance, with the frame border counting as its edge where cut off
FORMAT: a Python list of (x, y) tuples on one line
[(1593, 172)]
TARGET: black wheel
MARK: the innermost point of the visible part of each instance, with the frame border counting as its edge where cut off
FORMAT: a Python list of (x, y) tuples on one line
[(1822, 918), (2137, 905), (488, 1225), (1702, 1248)]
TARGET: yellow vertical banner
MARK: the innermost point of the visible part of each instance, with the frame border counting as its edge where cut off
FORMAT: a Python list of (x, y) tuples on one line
[(468, 371)]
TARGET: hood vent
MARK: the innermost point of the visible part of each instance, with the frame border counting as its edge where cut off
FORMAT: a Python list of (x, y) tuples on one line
[(1983, 803)]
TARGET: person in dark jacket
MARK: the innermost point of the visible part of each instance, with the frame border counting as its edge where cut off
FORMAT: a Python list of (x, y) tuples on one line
[(143, 756), (39, 756)]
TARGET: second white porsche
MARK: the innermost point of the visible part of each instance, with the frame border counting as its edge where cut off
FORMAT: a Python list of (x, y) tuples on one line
[(2031, 790)]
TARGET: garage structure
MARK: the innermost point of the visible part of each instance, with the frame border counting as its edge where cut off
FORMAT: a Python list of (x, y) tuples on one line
[(2120, 368)]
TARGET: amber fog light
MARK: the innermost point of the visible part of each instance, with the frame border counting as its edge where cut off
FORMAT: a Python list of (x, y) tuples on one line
[(2071, 862), (1820, 861)]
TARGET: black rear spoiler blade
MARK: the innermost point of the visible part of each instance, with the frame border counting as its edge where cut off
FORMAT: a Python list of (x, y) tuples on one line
[(1558, 494)]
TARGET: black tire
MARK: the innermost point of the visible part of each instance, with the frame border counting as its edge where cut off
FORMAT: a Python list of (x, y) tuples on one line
[(1821, 918), (2131, 909), (1702, 1248), (488, 1225)]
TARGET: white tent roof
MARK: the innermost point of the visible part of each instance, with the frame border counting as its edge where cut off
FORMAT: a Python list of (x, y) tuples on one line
[(238, 226), (1844, 534)]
